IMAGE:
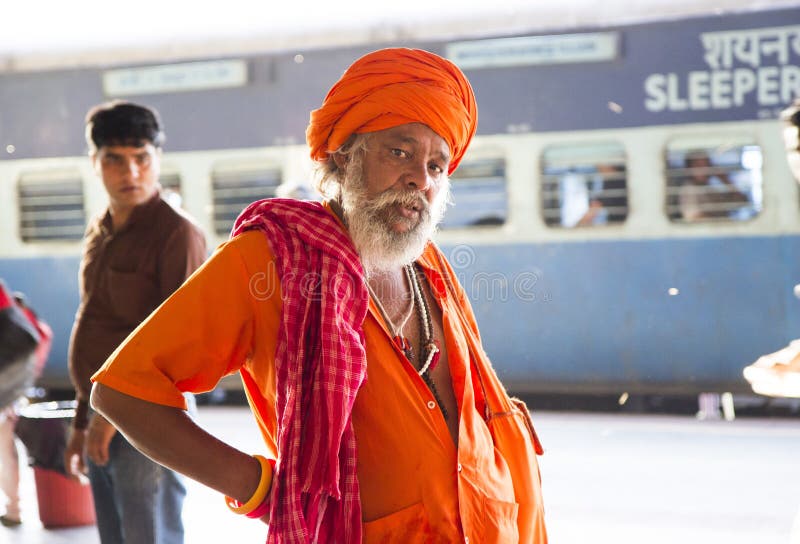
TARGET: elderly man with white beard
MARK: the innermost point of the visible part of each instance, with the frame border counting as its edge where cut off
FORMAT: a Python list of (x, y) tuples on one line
[(382, 418)]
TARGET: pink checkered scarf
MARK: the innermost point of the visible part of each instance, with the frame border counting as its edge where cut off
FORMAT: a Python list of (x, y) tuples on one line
[(320, 363)]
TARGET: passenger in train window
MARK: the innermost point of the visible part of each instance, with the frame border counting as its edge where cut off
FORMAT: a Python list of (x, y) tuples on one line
[(137, 252), (613, 192), (306, 300), (707, 193), (594, 199), (578, 209)]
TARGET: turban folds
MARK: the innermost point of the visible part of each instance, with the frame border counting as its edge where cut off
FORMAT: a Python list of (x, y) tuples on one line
[(392, 87)]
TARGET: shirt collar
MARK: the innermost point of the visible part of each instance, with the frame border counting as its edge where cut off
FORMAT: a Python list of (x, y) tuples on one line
[(430, 264), (139, 213)]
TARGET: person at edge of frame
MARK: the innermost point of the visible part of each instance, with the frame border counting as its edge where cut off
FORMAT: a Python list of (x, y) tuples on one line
[(9, 415)]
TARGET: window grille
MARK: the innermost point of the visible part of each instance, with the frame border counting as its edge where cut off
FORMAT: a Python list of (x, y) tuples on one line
[(51, 206), (713, 181), (233, 190), (584, 185)]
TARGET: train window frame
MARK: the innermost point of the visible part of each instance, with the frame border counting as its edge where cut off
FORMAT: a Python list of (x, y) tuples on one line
[(478, 193), (729, 181), (253, 180), (66, 206), (582, 170)]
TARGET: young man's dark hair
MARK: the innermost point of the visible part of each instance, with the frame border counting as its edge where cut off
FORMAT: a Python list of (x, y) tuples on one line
[(123, 123)]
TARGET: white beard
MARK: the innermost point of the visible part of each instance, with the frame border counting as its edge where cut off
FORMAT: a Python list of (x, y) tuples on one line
[(371, 222)]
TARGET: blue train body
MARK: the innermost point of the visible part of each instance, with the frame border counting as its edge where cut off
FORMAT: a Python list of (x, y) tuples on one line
[(553, 322), (599, 317)]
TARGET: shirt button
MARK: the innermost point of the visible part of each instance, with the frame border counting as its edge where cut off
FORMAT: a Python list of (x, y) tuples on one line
[(459, 467), (466, 540), (431, 404)]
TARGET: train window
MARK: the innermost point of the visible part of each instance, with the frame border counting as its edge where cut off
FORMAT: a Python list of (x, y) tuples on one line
[(233, 189), (170, 181), (479, 194), (584, 185), (51, 206), (713, 181)]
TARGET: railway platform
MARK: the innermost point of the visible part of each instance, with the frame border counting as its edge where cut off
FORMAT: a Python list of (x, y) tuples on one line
[(607, 478)]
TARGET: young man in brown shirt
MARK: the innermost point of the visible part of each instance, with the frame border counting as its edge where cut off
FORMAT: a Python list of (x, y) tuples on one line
[(137, 252)]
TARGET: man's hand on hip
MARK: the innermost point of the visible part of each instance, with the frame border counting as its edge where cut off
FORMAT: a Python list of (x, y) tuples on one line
[(98, 438)]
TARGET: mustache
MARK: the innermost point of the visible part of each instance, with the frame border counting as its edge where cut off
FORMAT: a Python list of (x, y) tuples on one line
[(405, 198)]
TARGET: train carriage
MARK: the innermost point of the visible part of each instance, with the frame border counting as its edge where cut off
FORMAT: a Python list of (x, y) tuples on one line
[(595, 260)]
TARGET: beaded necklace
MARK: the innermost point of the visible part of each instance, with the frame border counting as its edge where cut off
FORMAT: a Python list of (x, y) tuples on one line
[(397, 331), (429, 345)]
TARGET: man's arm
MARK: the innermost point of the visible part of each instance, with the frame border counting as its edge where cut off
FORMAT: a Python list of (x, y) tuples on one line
[(202, 333), (733, 193), (170, 437), (75, 448)]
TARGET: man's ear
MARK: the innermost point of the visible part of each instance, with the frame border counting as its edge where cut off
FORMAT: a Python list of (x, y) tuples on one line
[(340, 160)]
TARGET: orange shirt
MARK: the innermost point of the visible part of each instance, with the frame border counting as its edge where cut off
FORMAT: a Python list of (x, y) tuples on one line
[(415, 485)]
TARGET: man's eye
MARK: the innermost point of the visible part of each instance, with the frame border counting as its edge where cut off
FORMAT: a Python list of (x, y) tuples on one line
[(399, 153)]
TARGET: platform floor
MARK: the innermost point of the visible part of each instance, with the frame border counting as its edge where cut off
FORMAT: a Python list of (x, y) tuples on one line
[(616, 479)]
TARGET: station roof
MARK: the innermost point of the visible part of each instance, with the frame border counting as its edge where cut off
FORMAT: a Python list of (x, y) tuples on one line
[(52, 34)]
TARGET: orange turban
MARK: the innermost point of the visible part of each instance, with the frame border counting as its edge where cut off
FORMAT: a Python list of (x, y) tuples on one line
[(392, 87)]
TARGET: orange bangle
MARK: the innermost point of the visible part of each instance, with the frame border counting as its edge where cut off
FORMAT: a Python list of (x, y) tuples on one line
[(259, 494)]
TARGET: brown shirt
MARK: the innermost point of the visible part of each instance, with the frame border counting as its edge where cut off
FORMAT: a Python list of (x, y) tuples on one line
[(124, 276)]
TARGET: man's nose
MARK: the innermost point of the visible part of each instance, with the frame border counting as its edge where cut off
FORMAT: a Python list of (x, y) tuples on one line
[(131, 168), (418, 176)]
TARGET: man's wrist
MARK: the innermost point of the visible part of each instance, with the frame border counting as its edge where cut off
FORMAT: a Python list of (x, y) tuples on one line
[(80, 421)]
